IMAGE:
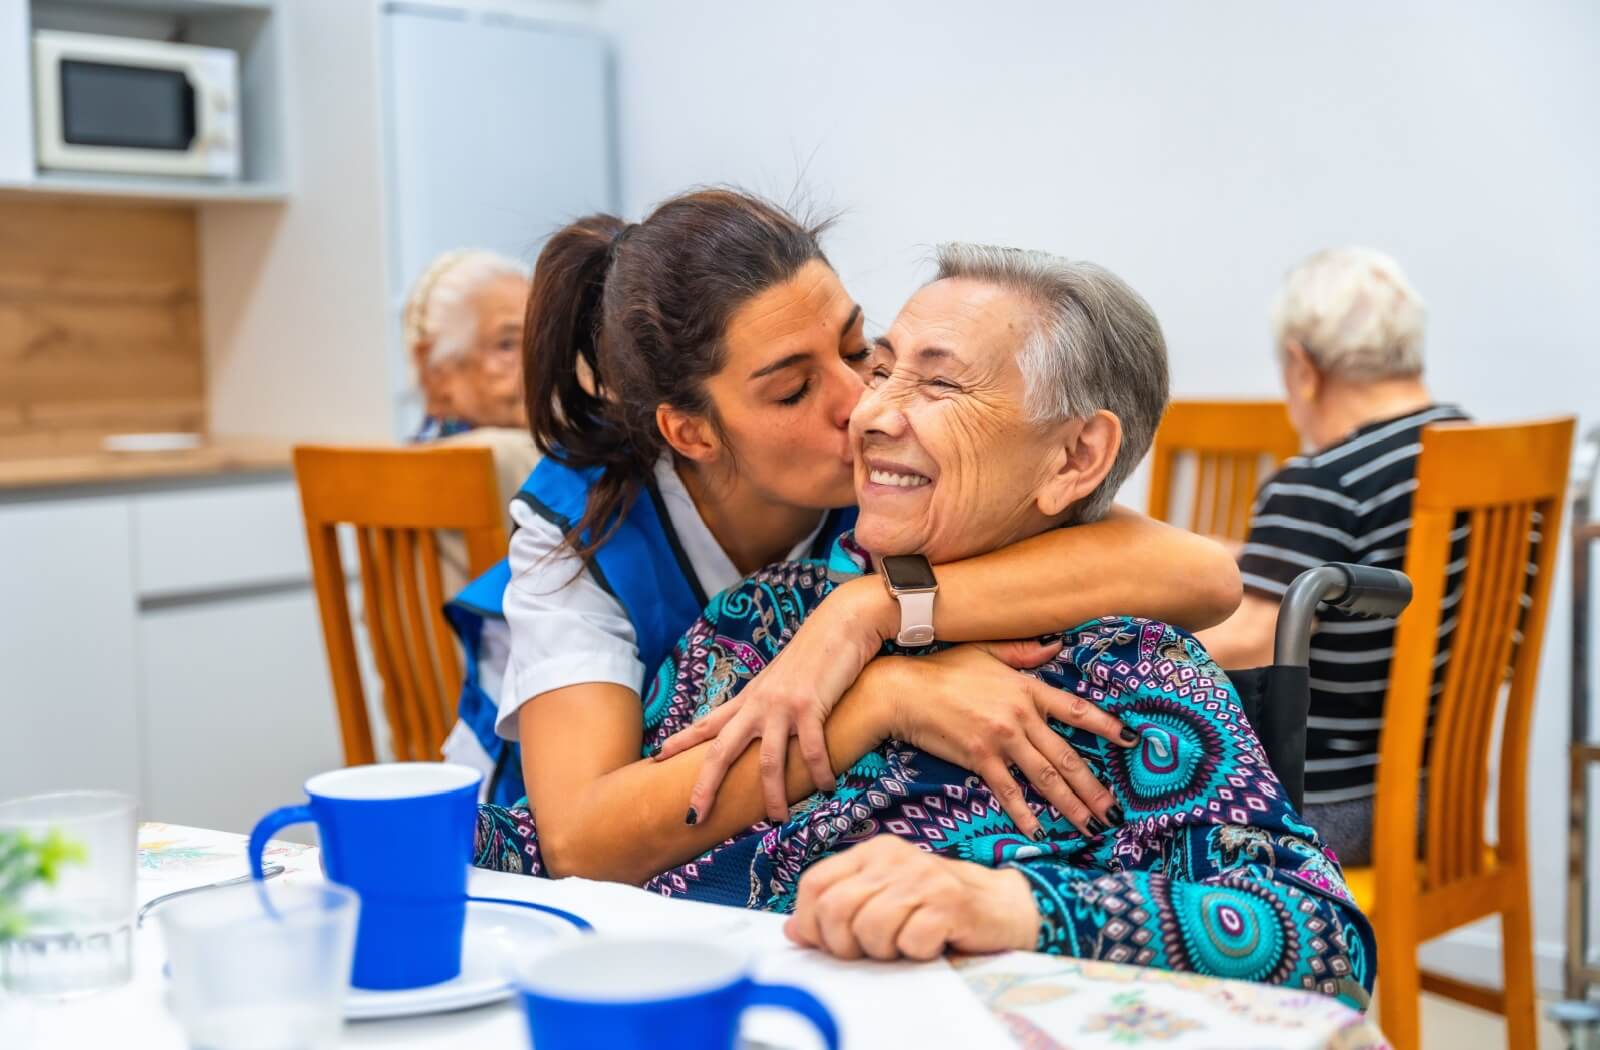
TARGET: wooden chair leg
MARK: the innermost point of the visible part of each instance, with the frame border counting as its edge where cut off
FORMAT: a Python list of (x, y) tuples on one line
[(1516, 955), (1399, 986)]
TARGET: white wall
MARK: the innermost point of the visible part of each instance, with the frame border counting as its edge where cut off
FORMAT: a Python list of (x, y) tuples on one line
[(294, 301), (1198, 150)]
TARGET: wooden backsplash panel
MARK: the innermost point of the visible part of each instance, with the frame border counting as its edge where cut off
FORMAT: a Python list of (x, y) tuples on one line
[(99, 323)]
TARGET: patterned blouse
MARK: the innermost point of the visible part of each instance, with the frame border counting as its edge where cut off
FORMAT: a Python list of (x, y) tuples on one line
[(1211, 871)]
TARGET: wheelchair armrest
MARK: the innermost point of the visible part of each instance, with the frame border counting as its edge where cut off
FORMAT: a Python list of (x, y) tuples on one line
[(1357, 589)]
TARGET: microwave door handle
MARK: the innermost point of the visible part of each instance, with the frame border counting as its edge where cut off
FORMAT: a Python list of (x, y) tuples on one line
[(191, 114)]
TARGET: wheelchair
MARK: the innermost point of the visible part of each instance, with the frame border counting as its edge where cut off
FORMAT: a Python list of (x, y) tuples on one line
[(1277, 699)]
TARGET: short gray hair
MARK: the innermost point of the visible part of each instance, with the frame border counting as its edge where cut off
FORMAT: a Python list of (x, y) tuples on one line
[(1096, 345), (439, 308), (1354, 313)]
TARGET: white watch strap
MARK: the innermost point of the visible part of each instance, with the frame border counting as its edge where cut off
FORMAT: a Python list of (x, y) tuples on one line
[(916, 618)]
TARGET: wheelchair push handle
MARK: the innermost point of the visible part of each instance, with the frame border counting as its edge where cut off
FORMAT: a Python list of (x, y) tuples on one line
[(1372, 592), (1357, 589)]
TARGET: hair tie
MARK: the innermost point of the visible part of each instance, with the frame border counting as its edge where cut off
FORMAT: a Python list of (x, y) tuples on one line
[(616, 243)]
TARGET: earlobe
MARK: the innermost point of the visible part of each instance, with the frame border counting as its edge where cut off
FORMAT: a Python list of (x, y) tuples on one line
[(1082, 464)]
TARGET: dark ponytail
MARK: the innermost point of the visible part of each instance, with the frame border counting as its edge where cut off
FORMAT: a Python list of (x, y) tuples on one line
[(559, 341), (644, 308)]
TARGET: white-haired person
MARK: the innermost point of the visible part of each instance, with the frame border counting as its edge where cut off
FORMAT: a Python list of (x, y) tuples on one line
[(1349, 333), (463, 332)]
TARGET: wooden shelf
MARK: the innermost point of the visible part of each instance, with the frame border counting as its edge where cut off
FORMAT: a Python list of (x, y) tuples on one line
[(152, 188), (179, 7), (222, 456)]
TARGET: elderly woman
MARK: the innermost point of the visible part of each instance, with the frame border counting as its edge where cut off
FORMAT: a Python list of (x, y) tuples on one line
[(1014, 395), (1349, 330), (463, 332)]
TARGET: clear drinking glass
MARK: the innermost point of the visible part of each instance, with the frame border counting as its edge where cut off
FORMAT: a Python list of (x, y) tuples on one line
[(77, 935), (261, 966)]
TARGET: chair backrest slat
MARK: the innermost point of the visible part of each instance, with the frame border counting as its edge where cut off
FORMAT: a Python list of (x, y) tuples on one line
[(398, 502), (380, 635), (429, 688), (443, 638), (1227, 440), (1242, 494), (327, 574), (1505, 484)]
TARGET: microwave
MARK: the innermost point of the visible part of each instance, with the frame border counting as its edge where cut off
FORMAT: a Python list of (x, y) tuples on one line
[(131, 106)]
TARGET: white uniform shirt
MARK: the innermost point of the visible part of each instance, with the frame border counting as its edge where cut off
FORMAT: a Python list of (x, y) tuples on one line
[(564, 628)]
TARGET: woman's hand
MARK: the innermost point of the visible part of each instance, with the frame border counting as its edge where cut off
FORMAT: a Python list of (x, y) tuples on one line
[(791, 696), (888, 899), (970, 706)]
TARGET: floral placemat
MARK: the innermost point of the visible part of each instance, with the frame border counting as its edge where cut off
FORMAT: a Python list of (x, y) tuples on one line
[(1053, 1003), (174, 856)]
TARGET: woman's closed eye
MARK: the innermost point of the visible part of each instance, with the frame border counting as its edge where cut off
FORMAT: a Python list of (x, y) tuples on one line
[(799, 395)]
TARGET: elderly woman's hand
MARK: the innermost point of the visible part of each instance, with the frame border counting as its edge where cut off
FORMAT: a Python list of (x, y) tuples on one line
[(888, 899), (969, 705), (791, 696)]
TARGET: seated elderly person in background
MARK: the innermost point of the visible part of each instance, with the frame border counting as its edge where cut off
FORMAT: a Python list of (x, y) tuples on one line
[(1349, 330), (463, 332), (1012, 395)]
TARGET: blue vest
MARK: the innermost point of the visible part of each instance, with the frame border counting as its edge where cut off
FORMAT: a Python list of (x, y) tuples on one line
[(642, 565)]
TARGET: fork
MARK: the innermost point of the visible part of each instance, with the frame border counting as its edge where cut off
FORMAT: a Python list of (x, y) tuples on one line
[(268, 872)]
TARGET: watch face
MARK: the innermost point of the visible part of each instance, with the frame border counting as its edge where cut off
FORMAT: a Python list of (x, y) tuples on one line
[(909, 572)]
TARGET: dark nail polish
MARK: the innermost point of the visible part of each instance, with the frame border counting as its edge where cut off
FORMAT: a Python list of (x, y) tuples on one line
[(1114, 814), (1129, 734), (1038, 834), (1095, 826), (692, 817), (1046, 639)]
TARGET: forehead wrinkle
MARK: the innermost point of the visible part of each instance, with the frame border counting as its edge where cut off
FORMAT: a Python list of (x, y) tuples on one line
[(978, 323)]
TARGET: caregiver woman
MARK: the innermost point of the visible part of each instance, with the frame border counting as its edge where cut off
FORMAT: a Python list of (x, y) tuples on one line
[(729, 358)]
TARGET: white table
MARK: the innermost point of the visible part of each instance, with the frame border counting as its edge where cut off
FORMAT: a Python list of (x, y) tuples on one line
[(1004, 1000)]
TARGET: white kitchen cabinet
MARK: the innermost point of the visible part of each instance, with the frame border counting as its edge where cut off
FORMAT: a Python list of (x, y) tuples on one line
[(238, 707), (194, 541), (163, 639), (68, 662)]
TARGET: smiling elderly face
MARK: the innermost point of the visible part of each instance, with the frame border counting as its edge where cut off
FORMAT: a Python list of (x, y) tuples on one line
[(948, 461)]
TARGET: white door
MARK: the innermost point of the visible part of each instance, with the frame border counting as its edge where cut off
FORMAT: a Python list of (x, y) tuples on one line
[(499, 132), (69, 703)]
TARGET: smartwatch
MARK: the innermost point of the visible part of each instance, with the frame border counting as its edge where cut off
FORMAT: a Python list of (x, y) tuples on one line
[(910, 582)]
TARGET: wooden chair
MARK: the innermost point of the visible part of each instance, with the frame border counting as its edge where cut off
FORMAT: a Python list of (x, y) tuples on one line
[(1230, 441), (395, 499), (1509, 483)]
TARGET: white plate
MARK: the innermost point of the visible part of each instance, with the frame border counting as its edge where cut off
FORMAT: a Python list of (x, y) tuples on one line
[(499, 934), (168, 442)]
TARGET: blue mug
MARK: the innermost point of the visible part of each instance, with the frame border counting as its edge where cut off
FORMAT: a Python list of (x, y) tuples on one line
[(400, 835), (605, 993)]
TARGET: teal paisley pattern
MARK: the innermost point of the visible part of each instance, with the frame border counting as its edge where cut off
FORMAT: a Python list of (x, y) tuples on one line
[(1211, 872)]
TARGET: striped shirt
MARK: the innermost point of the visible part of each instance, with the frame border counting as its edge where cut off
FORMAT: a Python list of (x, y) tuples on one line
[(1350, 502)]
